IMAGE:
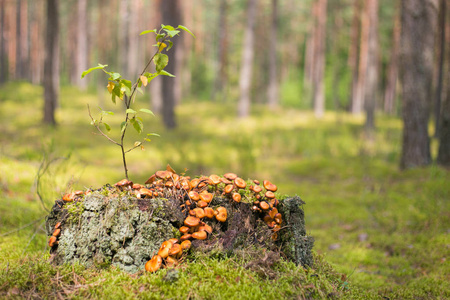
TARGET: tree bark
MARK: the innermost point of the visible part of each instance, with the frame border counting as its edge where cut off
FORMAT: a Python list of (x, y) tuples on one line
[(443, 158), (390, 92), (51, 66), (156, 97), (353, 57), (170, 16), (222, 53), (3, 59), (319, 61), (371, 88), (440, 79), (272, 91), (245, 78), (81, 53), (417, 54)]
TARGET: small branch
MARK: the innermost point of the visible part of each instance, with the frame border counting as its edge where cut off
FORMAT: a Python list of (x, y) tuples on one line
[(19, 229), (99, 130)]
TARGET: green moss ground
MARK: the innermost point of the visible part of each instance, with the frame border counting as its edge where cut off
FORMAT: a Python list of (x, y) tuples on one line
[(379, 232)]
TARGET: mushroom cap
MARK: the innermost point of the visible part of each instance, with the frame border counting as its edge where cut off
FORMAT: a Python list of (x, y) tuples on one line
[(264, 205), (69, 197), (185, 184), (194, 183), (200, 235), (137, 186), (228, 188), (169, 184), (206, 228), (273, 212), (209, 212), (274, 202), (267, 219), (123, 183), (153, 264), (214, 179), (193, 195), (237, 197), (169, 168), (240, 183), (151, 179), (52, 241), (221, 214), (256, 181), (269, 186), (176, 250), (163, 174), (257, 188), (57, 232), (78, 193), (226, 181), (230, 176), (276, 228), (278, 218), (202, 204), (146, 192), (191, 221), (57, 225), (269, 195), (185, 237), (184, 229), (186, 245), (205, 196), (173, 240), (199, 212), (171, 261), (165, 248)]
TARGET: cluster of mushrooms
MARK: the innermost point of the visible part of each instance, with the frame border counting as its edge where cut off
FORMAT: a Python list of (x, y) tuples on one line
[(195, 196)]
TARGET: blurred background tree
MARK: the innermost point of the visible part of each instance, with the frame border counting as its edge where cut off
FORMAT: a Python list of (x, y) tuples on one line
[(325, 55)]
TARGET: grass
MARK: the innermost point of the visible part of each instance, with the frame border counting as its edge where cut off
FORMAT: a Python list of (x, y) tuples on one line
[(379, 232)]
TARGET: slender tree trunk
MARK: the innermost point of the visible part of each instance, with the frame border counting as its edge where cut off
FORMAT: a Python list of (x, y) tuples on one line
[(417, 52), (222, 53), (310, 52), (444, 128), (36, 43), (245, 78), (390, 92), (319, 61), (272, 91), (170, 15), (18, 71), (3, 59), (51, 66), (440, 79), (133, 40), (123, 36), (81, 53), (353, 57), (156, 96), (371, 88)]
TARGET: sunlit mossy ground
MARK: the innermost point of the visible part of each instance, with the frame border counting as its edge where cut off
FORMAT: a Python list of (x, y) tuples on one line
[(379, 232)]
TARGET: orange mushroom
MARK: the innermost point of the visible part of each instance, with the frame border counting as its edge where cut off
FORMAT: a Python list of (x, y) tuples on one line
[(137, 186), (214, 179), (176, 251), (194, 183), (57, 225), (199, 212), (164, 174), (185, 245), (205, 196), (209, 212), (146, 192), (57, 232), (228, 188), (237, 197), (221, 214), (230, 176), (264, 205), (191, 221), (273, 212), (202, 204), (269, 195), (257, 188), (52, 241), (269, 186), (240, 183), (171, 261), (154, 264), (185, 237), (256, 181), (164, 249), (278, 219), (184, 229), (69, 197), (206, 228), (200, 235), (193, 195), (151, 179), (123, 183)]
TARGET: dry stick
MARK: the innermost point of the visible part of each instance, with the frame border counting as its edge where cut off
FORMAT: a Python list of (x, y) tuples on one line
[(18, 229)]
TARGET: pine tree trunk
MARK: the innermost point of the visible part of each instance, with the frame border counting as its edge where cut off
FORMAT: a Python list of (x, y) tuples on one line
[(440, 68), (390, 92), (245, 78), (353, 57), (319, 61), (51, 66), (417, 53), (272, 91), (171, 16), (81, 53), (371, 88), (222, 53), (3, 59), (358, 97), (156, 84)]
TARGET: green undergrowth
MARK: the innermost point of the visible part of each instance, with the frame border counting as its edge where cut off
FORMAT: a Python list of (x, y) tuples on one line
[(380, 232)]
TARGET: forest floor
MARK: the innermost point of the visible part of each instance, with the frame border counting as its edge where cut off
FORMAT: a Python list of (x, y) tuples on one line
[(380, 233)]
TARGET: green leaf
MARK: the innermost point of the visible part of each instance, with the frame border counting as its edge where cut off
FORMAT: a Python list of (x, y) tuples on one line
[(158, 37), (163, 72), (137, 125), (92, 69), (131, 111), (147, 31), (185, 29), (170, 45), (168, 27), (105, 112), (161, 61), (127, 83), (172, 33), (147, 111), (152, 134), (123, 126), (148, 140), (140, 90), (113, 98), (115, 76), (108, 128)]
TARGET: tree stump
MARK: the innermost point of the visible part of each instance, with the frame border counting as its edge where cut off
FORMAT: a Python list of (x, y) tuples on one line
[(117, 227)]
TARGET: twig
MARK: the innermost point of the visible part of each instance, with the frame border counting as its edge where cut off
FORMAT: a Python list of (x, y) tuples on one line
[(19, 229), (98, 128)]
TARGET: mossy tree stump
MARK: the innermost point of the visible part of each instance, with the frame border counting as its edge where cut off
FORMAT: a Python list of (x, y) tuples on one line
[(115, 227)]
